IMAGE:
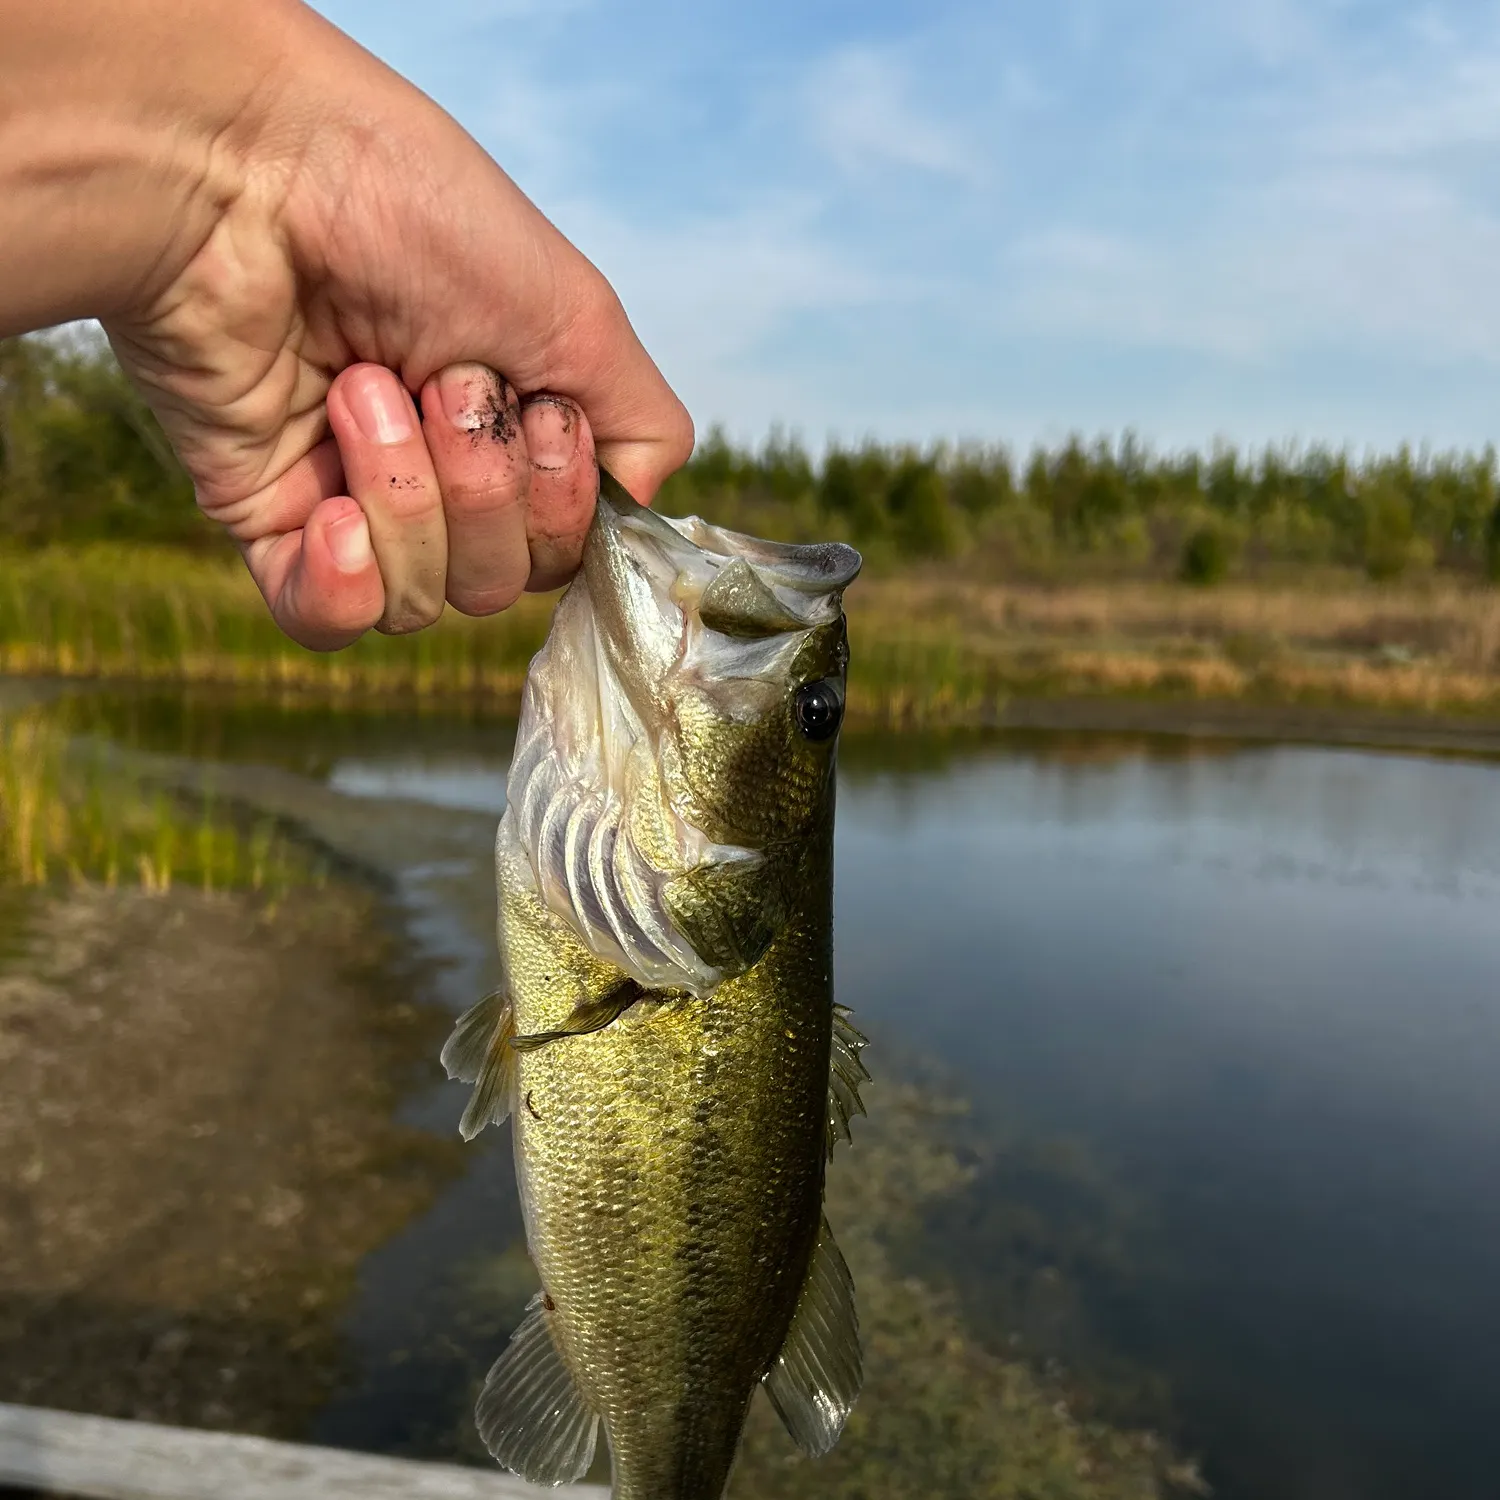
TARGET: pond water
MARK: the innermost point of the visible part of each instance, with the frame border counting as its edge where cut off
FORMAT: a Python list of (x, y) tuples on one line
[(1228, 1018)]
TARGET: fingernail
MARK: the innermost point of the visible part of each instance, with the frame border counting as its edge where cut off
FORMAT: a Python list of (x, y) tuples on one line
[(349, 542), (473, 397), (381, 408), (551, 428)]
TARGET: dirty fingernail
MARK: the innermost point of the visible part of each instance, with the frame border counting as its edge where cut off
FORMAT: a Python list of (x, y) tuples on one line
[(349, 542), (551, 428), (380, 406), (473, 396)]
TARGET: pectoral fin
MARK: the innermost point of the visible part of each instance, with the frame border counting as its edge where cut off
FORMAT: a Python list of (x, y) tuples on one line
[(531, 1414), (479, 1052), (589, 1015), (844, 1078), (817, 1375)]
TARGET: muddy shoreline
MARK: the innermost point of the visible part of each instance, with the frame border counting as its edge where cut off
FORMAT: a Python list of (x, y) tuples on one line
[(198, 1144)]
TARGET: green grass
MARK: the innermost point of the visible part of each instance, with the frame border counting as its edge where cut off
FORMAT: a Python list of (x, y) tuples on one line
[(928, 646), (73, 811), (153, 614), (116, 611)]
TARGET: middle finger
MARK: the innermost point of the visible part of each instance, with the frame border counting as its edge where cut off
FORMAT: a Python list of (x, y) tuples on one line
[(473, 427)]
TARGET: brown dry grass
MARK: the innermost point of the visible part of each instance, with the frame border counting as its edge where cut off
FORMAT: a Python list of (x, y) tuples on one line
[(1428, 647), (1440, 617), (928, 647)]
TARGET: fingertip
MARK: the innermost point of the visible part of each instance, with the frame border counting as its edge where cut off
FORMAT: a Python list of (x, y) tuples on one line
[(347, 535), (557, 433), (332, 591), (564, 487), (371, 413)]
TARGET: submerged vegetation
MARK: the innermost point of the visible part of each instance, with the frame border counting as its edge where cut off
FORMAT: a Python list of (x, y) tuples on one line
[(944, 1414), (78, 812)]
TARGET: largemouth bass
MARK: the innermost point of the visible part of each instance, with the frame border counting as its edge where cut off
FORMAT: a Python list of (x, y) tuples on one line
[(666, 1041)]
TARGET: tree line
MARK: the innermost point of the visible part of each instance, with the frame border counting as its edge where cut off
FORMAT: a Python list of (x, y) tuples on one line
[(81, 459), (1112, 505)]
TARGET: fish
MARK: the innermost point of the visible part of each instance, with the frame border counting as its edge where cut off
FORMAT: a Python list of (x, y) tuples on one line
[(665, 1040)]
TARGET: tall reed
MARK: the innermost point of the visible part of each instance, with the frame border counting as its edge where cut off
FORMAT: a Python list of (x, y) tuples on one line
[(927, 646), (157, 614)]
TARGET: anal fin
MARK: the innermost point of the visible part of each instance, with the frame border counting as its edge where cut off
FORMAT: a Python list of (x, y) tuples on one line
[(531, 1415), (817, 1375), (479, 1052)]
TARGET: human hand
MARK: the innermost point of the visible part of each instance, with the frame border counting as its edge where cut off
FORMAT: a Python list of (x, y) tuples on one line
[(327, 225)]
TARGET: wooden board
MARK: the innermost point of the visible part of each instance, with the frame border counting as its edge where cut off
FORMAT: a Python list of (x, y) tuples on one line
[(64, 1453)]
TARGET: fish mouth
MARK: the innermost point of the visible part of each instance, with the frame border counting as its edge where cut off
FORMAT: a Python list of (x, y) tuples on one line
[(737, 584)]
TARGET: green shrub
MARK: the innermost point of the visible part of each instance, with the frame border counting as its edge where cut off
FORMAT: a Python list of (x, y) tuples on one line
[(1206, 556), (1388, 532)]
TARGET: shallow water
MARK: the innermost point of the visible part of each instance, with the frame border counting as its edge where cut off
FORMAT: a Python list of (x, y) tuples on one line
[(1228, 1017)]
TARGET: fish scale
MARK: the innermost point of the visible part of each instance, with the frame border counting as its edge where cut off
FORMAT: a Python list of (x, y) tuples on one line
[(671, 1138)]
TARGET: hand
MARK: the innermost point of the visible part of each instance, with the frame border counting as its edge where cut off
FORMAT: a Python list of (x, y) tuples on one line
[(341, 271)]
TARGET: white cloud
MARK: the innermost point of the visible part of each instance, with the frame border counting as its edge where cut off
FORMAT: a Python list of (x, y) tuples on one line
[(1453, 103), (1343, 215), (1360, 260), (712, 296), (865, 119), (1272, 33)]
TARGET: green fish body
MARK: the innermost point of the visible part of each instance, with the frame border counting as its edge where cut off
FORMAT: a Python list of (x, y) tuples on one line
[(666, 1043)]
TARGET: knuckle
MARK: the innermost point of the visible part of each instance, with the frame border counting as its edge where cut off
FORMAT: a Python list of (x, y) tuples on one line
[(477, 498), (410, 497)]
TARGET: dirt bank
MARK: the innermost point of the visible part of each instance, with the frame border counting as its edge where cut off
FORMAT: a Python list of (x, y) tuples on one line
[(197, 1147)]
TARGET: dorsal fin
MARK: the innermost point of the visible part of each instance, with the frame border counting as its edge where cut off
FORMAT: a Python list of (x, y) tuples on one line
[(817, 1375), (479, 1052), (531, 1414), (845, 1075)]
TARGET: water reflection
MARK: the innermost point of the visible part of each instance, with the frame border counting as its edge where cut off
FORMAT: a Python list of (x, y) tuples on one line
[(469, 786), (1259, 990), (1229, 1020)]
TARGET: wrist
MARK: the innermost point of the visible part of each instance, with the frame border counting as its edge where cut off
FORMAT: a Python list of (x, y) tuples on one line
[(126, 130)]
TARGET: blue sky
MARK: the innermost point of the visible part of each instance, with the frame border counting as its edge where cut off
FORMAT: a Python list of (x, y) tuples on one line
[(1256, 219)]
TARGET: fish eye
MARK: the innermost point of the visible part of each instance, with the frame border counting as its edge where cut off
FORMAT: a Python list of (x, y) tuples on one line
[(820, 709)]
